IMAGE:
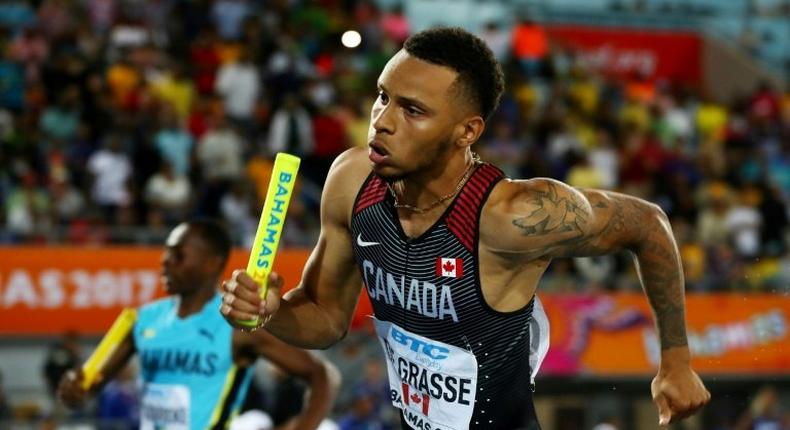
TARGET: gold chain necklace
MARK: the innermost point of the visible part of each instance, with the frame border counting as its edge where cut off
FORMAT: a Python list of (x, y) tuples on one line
[(415, 209)]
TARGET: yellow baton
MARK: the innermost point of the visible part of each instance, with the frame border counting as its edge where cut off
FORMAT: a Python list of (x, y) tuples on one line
[(118, 331), (270, 226)]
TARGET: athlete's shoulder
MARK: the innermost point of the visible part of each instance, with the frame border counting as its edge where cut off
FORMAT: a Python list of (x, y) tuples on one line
[(513, 199), (157, 306), (150, 313), (510, 192), (346, 176), (351, 165)]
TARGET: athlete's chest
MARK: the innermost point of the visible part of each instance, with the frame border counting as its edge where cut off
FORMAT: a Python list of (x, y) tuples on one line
[(170, 346), (414, 225)]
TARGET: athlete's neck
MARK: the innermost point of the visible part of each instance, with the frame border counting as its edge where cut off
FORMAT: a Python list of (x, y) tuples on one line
[(193, 302), (437, 187)]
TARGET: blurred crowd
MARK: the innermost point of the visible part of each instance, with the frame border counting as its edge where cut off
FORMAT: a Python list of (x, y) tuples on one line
[(118, 118)]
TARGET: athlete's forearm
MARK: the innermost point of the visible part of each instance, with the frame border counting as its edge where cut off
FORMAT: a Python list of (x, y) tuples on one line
[(661, 273), (323, 385), (303, 323)]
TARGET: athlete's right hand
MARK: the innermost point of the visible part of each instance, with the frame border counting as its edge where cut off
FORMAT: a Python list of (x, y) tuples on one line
[(241, 299), (70, 391)]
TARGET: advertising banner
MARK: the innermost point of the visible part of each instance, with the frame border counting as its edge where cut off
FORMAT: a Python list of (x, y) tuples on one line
[(45, 291), (614, 334), (629, 52), (49, 290)]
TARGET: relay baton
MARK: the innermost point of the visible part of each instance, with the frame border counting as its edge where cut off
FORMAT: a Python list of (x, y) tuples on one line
[(118, 331), (270, 226)]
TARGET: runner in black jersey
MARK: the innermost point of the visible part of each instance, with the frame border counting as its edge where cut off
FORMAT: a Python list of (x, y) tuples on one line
[(451, 252)]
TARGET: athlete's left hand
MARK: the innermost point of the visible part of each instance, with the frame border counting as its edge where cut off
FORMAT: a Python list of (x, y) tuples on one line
[(678, 392)]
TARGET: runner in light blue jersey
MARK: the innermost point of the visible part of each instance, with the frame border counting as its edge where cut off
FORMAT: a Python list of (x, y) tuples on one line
[(189, 381), (194, 366)]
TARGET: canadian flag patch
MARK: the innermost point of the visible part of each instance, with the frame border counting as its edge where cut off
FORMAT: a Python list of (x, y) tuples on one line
[(449, 267), (418, 400)]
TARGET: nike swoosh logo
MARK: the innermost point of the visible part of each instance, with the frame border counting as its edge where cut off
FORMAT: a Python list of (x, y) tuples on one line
[(206, 333), (362, 243)]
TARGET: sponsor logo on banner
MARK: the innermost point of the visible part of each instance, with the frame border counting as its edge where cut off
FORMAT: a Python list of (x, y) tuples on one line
[(727, 334)]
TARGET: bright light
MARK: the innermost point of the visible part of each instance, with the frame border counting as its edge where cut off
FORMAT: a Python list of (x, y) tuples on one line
[(351, 39)]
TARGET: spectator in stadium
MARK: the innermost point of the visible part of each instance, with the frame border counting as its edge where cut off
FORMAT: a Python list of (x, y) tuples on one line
[(395, 24), (239, 84), (194, 368), (228, 16), (498, 39), (64, 354), (175, 89), (28, 209), (239, 213), (174, 143), (291, 129), (111, 169), (5, 406), (764, 412), (168, 194), (530, 46), (362, 415), (118, 406), (220, 154)]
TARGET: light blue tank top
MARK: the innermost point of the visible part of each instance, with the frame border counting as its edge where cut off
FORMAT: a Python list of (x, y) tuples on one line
[(189, 379)]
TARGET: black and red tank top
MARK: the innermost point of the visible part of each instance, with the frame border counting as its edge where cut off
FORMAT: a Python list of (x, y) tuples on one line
[(453, 361)]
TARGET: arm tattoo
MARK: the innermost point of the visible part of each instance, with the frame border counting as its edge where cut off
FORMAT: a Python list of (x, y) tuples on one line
[(552, 214), (625, 223), (566, 218), (659, 270)]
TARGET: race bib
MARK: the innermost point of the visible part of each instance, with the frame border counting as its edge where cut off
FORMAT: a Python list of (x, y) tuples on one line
[(165, 407), (433, 383)]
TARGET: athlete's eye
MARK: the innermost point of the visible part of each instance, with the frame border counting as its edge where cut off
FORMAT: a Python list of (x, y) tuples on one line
[(383, 97), (413, 111)]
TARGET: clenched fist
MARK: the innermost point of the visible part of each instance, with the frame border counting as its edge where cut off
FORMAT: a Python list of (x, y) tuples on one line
[(241, 299)]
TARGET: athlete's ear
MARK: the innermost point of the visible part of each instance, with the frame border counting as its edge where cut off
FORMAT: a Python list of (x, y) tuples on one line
[(470, 129)]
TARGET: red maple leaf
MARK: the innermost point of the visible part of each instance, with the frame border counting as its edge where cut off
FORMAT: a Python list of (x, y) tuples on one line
[(415, 398), (448, 266)]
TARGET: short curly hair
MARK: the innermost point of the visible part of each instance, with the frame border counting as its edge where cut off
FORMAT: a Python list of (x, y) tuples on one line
[(479, 73)]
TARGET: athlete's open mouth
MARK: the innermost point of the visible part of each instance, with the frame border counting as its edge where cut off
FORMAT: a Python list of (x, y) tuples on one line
[(378, 149), (377, 154)]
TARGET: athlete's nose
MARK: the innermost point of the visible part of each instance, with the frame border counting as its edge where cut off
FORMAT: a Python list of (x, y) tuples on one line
[(381, 118)]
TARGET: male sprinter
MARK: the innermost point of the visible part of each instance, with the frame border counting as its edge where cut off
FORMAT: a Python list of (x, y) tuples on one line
[(451, 252)]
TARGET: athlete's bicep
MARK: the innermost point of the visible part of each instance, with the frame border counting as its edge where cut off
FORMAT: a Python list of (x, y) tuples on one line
[(547, 218), (331, 278), (536, 217)]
